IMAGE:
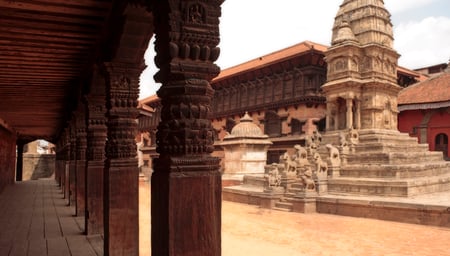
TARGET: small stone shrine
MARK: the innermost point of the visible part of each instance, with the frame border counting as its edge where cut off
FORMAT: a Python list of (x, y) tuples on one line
[(245, 151)]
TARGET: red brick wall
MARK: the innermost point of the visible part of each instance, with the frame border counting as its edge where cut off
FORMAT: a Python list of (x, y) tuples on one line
[(7, 157), (409, 119), (437, 124)]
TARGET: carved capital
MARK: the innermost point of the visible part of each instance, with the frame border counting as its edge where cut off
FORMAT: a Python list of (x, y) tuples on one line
[(121, 94), (187, 39)]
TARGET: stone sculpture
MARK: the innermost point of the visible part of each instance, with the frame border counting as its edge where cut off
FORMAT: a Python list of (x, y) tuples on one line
[(321, 166), (311, 146), (307, 180), (344, 148), (353, 137), (301, 156), (273, 178), (289, 164), (333, 156), (316, 138)]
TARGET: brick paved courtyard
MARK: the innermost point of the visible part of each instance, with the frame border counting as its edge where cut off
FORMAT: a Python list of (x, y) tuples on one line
[(36, 221), (251, 231)]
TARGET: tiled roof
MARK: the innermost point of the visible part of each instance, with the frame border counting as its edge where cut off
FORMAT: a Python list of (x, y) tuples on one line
[(271, 58), (419, 76), (435, 89), (149, 99)]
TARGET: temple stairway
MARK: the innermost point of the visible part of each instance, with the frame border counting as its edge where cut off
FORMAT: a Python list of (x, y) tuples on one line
[(389, 164)]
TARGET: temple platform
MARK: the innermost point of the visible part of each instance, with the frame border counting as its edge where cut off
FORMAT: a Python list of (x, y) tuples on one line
[(428, 209)]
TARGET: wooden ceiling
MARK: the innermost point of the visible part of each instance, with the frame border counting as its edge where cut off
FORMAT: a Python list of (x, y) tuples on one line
[(46, 50)]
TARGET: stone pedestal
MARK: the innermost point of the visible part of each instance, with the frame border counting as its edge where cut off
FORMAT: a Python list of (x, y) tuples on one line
[(304, 202), (270, 196), (322, 187)]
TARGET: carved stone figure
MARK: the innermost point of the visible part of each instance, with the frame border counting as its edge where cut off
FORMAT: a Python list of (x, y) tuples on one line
[(321, 166), (301, 156), (353, 136), (289, 164), (344, 147), (307, 180), (273, 178), (333, 156), (311, 146), (316, 138)]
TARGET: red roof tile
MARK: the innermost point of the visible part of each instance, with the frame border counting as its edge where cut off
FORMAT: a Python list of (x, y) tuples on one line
[(434, 89), (271, 58)]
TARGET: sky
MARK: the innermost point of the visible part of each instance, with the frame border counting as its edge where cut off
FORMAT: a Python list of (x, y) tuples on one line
[(253, 28)]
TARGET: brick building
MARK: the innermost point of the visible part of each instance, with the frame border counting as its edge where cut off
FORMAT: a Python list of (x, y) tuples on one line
[(282, 93), (425, 111)]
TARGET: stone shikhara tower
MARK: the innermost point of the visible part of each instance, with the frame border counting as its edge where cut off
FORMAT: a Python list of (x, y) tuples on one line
[(361, 92), (361, 88)]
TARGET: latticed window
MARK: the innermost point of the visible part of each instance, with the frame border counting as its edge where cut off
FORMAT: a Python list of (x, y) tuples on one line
[(296, 126), (272, 124)]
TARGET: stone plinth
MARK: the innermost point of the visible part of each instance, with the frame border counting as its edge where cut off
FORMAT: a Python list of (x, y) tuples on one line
[(270, 197), (305, 201), (389, 163)]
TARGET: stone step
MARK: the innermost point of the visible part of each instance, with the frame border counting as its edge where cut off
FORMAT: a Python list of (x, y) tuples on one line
[(390, 147), (395, 157), (396, 171), (397, 139), (284, 205), (388, 187), (282, 209)]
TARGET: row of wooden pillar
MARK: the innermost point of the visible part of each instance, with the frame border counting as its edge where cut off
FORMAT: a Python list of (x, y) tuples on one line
[(96, 153), (96, 159)]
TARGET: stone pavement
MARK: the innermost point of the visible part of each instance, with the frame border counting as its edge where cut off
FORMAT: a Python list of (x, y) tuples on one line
[(249, 230), (35, 220)]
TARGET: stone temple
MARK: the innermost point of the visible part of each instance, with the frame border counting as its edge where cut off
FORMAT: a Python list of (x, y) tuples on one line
[(361, 93), (362, 165)]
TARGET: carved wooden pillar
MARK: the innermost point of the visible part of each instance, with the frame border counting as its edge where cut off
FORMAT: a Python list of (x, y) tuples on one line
[(67, 163), (19, 161), (81, 145), (186, 184), (59, 164), (121, 166), (73, 163), (95, 155)]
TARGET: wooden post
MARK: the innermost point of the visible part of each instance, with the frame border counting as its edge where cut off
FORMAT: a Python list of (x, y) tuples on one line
[(186, 183)]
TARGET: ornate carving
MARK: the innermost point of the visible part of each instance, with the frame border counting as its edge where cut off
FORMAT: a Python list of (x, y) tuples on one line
[(81, 139), (195, 13), (273, 178), (185, 127), (333, 156), (192, 37), (307, 179), (353, 137), (321, 166), (96, 120), (122, 94)]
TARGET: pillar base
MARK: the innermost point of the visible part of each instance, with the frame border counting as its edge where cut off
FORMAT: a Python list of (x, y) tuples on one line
[(186, 209)]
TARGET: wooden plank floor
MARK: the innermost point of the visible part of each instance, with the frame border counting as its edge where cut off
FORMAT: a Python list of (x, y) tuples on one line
[(35, 220)]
